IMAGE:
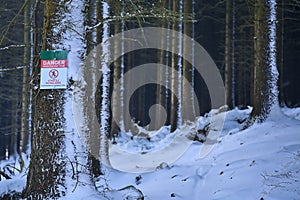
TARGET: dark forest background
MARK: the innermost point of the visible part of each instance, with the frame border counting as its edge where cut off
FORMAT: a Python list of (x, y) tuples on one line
[(209, 23)]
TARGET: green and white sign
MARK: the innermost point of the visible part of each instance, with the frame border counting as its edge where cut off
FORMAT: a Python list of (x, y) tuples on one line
[(54, 69)]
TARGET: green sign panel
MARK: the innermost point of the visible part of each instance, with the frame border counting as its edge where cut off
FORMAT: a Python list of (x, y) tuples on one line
[(54, 55)]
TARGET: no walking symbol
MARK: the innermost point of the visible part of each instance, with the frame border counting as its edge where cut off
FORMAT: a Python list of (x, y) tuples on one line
[(53, 73), (54, 69)]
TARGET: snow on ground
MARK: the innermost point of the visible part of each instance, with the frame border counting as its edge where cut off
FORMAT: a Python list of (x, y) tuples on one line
[(292, 112), (261, 162), (11, 167)]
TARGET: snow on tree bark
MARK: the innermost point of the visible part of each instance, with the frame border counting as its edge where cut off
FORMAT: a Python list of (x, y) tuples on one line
[(46, 175), (265, 72)]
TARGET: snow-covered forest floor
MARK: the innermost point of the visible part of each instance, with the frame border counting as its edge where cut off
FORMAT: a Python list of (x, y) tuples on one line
[(261, 162)]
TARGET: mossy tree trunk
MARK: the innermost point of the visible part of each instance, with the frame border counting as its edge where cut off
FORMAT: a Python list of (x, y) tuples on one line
[(46, 175), (262, 72)]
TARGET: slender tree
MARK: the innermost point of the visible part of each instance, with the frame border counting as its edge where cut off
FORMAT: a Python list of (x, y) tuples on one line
[(93, 13), (25, 86), (115, 100), (162, 74), (174, 65), (229, 54), (187, 95)]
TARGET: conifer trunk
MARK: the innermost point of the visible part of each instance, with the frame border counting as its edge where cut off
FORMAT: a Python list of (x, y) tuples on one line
[(25, 86), (46, 175), (187, 95), (262, 74), (228, 55), (174, 81)]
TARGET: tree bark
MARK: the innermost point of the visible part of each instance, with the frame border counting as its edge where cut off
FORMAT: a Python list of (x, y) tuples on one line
[(46, 173), (261, 101), (174, 81), (161, 75), (228, 55), (187, 95), (25, 87), (116, 107)]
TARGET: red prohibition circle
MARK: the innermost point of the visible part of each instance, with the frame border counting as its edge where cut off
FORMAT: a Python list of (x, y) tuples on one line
[(53, 73)]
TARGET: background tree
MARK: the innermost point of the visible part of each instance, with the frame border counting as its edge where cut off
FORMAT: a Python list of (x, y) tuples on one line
[(26, 77), (174, 65), (288, 51), (116, 97), (188, 73), (11, 55), (229, 54)]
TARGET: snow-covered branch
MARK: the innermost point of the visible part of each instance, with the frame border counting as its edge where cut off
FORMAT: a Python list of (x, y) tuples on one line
[(4, 69), (12, 46)]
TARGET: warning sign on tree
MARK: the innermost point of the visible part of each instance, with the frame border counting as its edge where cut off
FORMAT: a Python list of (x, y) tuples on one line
[(54, 69)]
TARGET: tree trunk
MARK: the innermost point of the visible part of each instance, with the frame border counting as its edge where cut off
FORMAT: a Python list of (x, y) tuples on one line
[(174, 81), (46, 173), (94, 11), (187, 95), (262, 71), (228, 55), (116, 107), (280, 53), (25, 87), (161, 75)]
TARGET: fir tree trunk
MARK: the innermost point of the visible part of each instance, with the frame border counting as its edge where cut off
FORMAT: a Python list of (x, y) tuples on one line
[(46, 173), (174, 81), (187, 95), (228, 55), (161, 75), (261, 101), (116, 107), (25, 87)]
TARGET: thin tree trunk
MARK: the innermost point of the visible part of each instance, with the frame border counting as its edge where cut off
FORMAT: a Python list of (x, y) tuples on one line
[(116, 107), (280, 32), (14, 118), (95, 12), (25, 87), (187, 95), (174, 81), (160, 94), (228, 55)]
